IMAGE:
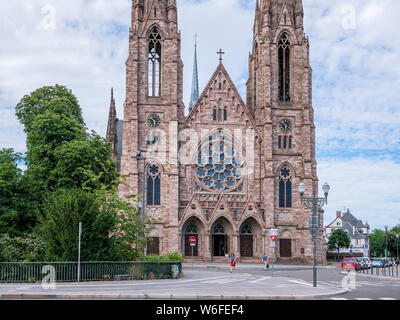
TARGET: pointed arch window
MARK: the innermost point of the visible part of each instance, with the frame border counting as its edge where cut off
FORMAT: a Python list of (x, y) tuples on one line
[(225, 114), (154, 63), (191, 228), (215, 114), (285, 188), (284, 67), (246, 229), (153, 185)]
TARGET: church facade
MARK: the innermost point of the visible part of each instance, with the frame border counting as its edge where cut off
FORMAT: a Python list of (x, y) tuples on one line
[(228, 171)]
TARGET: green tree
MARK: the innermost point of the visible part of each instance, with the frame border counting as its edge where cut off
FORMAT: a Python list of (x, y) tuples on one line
[(130, 236), (15, 218), (377, 242), (54, 99), (112, 228), (25, 248), (338, 240), (59, 224), (61, 154)]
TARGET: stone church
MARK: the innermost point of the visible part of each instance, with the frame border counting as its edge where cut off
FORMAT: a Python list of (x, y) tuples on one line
[(228, 171)]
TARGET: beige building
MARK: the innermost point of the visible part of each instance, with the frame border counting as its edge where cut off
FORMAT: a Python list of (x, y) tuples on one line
[(227, 172)]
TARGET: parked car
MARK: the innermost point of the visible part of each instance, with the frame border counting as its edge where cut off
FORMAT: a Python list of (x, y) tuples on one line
[(350, 263), (385, 261), (367, 262), (378, 262), (362, 263), (392, 261)]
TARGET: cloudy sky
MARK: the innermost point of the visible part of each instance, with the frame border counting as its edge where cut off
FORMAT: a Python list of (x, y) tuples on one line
[(355, 55)]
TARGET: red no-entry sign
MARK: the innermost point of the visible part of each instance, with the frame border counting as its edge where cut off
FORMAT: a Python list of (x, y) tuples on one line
[(192, 241)]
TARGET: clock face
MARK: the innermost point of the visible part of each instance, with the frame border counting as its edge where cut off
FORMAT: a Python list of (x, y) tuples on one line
[(154, 121), (285, 125)]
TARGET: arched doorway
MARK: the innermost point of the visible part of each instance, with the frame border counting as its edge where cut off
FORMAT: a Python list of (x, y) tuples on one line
[(221, 232), (191, 231), (220, 245), (285, 244), (246, 240)]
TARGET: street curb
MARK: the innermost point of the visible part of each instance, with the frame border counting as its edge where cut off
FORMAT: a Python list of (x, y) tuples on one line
[(19, 296)]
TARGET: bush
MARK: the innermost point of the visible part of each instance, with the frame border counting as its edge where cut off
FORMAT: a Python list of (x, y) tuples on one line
[(170, 257), (21, 249)]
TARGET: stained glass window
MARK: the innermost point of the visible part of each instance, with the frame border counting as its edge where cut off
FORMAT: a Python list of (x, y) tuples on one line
[(153, 186), (219, 166), (285, 188)]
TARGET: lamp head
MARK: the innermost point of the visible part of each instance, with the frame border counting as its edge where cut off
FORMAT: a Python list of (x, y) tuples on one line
[(302, 188), (326, 189)]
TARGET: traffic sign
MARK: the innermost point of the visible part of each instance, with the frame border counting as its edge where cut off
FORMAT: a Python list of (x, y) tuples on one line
[(273, 238), (273, 232), (192, 241)]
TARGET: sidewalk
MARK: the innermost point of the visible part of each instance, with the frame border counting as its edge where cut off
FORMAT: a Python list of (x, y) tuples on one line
[(249, 266)]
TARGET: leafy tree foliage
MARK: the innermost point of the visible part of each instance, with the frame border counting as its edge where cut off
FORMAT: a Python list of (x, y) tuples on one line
[(377, 242), (59, 224), (54, 99), (338, 240), (16, 216), (112, 229), (25, 248), (60, 153)]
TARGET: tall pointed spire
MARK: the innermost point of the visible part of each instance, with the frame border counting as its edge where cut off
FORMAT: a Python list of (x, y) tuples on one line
[(112, 135), (195, 81)]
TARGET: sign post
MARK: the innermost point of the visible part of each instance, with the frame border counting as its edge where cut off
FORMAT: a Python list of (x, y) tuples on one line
[(79, 252), (273, 233), (193, 242)]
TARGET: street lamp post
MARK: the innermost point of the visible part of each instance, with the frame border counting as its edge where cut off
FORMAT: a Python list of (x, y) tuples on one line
[(314, 203), (397, 243), (140, 157)]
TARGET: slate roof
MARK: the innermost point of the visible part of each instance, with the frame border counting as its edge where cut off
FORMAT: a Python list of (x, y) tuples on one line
[(348, 217), (353, 235)]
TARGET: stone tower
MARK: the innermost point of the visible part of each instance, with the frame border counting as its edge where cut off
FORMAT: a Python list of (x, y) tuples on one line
[(279, 95), (153, 112)]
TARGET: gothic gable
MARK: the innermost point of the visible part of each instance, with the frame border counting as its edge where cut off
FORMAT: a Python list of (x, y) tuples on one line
[(220, 105)]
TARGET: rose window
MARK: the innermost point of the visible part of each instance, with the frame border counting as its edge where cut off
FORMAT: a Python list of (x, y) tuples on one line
[(219, 166)]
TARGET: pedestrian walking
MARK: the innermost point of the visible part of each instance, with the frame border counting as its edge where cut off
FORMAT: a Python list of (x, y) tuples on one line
[(233, 262), (265, 261)]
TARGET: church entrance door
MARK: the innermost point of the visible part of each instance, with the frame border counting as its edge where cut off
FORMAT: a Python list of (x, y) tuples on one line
[(246, 245), (285, 248), (220, 245)]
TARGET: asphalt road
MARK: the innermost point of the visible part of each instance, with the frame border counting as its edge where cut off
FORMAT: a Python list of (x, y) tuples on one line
[(362, 287), (250, 283)]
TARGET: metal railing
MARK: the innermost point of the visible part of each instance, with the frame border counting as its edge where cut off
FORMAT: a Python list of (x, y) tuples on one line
[(388, 271), (24, 272)]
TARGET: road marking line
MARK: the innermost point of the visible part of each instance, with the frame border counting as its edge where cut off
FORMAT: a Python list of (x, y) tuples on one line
[(339, 299), (363, 299), (259, 280), (387, 299), (301, 282)]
